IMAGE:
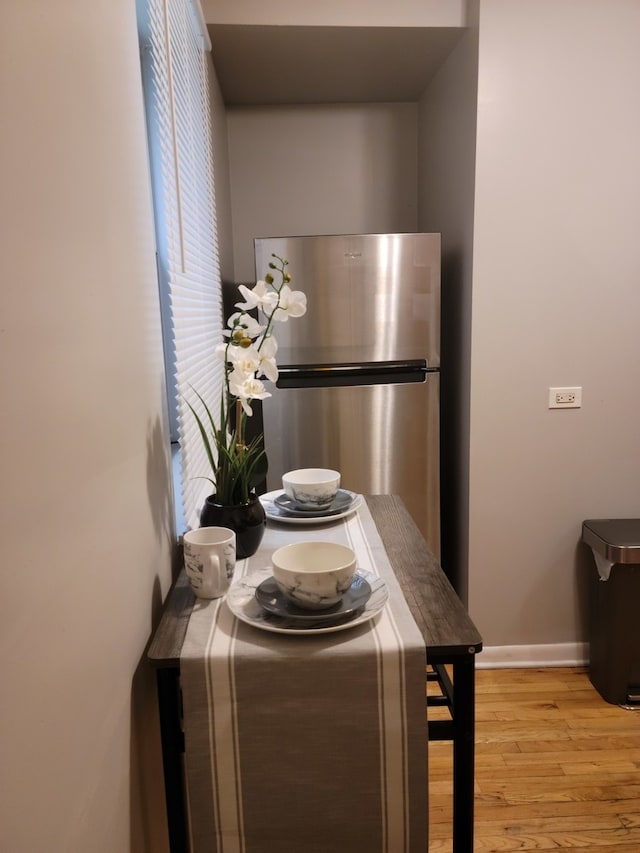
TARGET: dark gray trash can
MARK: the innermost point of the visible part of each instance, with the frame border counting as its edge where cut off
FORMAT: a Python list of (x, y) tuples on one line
[(614, 641)]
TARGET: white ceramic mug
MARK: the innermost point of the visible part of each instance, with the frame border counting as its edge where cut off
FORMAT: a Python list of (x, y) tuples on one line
[(209, 560)]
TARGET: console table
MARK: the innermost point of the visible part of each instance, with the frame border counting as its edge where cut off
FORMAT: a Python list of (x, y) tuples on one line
[(452, 642)]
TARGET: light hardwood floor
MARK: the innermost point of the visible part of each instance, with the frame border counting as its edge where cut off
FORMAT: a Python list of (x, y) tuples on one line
[(557, 767)]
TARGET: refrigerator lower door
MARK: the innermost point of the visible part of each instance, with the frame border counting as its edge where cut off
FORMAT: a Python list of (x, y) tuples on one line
[(383, 438)]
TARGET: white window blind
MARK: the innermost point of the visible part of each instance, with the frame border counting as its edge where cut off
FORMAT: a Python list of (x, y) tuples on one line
[(174, 41)]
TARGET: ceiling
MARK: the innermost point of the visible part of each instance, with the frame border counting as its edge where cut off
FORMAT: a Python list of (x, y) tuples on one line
[(269, 65)]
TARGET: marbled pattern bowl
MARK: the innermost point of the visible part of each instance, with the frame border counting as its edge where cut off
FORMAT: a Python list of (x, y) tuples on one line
[(311, 488), (314, 575)]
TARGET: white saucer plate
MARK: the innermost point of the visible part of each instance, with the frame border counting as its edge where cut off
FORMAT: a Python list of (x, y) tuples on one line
[(275, 513), (241, 600)]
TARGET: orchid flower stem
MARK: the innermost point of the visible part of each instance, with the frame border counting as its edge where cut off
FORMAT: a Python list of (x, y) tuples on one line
[(240, 446), (270, 316)]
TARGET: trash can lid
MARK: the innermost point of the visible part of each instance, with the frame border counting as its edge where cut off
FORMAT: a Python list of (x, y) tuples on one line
[(617, 539)]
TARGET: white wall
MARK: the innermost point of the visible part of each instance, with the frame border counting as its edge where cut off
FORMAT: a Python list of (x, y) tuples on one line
[(336, 169), (446, 179), (556, 298), (85, 518)]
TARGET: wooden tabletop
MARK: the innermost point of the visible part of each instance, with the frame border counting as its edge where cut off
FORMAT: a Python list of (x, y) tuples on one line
[(437, 610)]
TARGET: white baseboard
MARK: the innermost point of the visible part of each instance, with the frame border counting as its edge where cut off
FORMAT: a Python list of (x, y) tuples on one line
[(551, 654)]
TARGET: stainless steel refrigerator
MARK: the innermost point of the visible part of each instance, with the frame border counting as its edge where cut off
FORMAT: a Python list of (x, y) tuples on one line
[(359, 383)]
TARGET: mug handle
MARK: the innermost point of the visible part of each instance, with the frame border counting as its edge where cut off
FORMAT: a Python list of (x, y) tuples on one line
[(214, 578)]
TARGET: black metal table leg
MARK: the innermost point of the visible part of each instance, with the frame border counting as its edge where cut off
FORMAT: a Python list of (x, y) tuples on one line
[(168, 685), (463, 752)]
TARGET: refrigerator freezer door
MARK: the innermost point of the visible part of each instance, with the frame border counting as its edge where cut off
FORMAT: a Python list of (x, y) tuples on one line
[(382, 438), (373, 297)]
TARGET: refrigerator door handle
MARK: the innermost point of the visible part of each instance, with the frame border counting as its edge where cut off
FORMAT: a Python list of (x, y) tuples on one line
[(340, 375)]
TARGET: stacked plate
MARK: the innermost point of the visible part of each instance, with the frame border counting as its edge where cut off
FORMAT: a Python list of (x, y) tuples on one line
[(256, 600), (280, 507)]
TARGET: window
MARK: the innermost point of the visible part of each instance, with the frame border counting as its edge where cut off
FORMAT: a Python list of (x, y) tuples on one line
[(174, 46)]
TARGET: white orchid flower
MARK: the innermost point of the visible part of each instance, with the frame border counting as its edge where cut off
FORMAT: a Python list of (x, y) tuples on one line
[(246, 388), (245, 360), (221, 351), (261, 296), (293, 303), (267, 352), (243, 326)]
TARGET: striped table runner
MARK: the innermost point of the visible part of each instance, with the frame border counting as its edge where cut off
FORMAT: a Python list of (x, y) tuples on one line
[(311, 744)]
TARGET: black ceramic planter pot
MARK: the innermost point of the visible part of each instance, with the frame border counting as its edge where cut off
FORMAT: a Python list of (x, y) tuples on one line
[(247, 520)]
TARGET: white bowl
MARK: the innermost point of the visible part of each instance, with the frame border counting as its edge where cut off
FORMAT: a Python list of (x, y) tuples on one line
[(314, 575), (312, 488)]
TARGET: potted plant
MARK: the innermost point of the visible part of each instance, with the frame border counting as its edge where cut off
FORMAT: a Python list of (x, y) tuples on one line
[(249, 352)]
